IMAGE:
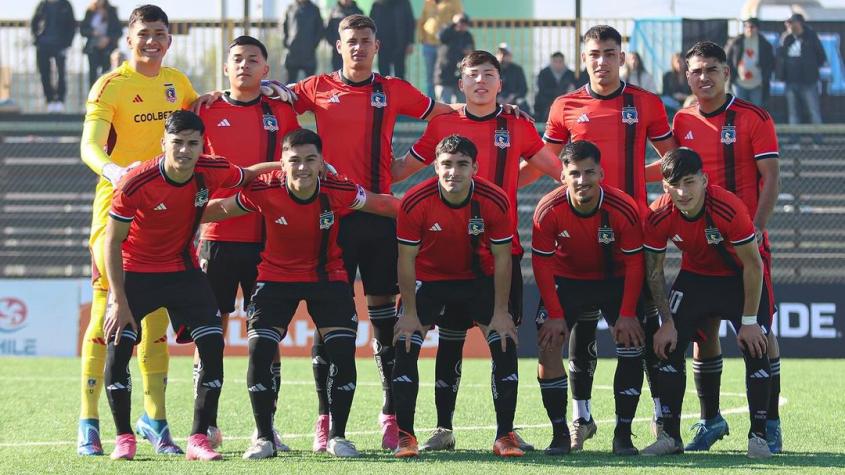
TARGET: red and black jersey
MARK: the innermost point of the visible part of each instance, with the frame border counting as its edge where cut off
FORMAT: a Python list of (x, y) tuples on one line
[(454, 239), (603, 244), (162, 212), (619, 124), (301, 244), (356, 121), (501, 139), (706, 241), (241, 131), (730, 141)]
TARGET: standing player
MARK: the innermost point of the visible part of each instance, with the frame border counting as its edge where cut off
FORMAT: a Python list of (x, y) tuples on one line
[(126, 110), (455, 235), (301, 261), (502, 140), (618, 118), (721, 277), (151, 263), (248, 127), (739, 149), (586, 250)]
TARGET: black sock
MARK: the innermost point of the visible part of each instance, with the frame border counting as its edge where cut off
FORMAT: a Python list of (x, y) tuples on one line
[(672, 378), (263, 344), (209, 341), (406, 382), (774, 396), (650, 359), (627, 385), (320, 367), (343, 376), (708, 381), (276, 370), (447, 373), (758, 383), (582, 356), (383, 318), (504, 382), (553, 392), (118, 381)]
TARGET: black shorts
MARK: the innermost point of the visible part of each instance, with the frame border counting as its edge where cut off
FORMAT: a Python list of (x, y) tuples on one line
[(330, 304), (695, 298), (230, 265), (453, 316), (468, 301), (186, 295), (369, 246), (588, 296)]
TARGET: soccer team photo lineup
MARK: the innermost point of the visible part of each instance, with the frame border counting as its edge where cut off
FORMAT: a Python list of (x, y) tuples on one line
[(271, 192)]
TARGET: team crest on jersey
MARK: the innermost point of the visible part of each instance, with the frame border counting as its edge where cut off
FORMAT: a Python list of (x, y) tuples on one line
[(502, 139), (606, 235), (713, 236), (378, 99), (170, 92), (326, 220), (201, 198), (629, 115), (270, 123), (476, 226), (728, 135)]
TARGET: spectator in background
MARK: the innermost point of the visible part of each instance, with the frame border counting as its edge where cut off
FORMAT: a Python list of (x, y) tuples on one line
[(582, 79), (53, 28), (341, 10), (455, 42), (514, 85), (676, 90), (752, 60), (396, 24), (554, 80), (634, 72), (436, 15), (302, 30), (116, 58), (799, 58), (103, 29)]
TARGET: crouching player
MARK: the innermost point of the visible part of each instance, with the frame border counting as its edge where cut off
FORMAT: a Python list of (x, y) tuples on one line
[(721, 277), (301, 261), (587, 257), (455, 236), (151, 263)]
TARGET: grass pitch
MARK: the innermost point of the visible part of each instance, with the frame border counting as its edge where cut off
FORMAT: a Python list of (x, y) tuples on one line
[(40, 400)]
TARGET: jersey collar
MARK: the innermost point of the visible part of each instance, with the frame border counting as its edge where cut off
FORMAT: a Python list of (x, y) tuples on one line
[(226, 97), (365, 82), (489, 116), (167, 178), (729, 99), (612, 95), (591, 213), (701, 211), (299, 200), (461, 204)]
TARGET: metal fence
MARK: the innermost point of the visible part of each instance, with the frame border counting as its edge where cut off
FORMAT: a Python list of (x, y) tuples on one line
[(46, 194)]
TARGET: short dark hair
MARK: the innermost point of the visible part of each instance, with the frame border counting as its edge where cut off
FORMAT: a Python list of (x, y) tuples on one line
[(752, 21), (477, 58), (603, 33), (679, 163), (579, 150), (302, 137), (356, 22), (707, 49), (457, 144), (182, 120), (148, 13), (246, 40), (557, 54)]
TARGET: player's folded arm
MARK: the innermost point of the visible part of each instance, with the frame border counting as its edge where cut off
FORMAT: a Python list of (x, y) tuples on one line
[(225, 208)]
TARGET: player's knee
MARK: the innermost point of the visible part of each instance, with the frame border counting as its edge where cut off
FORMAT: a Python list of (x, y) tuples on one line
[(758, 368), (339, 344), (416, 344), (627, 354)]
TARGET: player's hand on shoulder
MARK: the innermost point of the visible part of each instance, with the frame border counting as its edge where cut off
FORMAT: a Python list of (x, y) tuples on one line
[(114, 172), (278, 90), (205, 100), (515, 110)]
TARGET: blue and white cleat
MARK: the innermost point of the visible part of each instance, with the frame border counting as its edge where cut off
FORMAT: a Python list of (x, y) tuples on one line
[(158, 433), (88, 438), (707, 432), (774, 436)]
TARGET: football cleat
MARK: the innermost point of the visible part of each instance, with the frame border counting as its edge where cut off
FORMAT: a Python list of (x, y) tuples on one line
[(623, 446), (277, 440), (158, 433), (507, 446), (88, 438), (389, 431), (260, 449), (321, 433), (525, 446), (758, 448), (707, 432), (340, 447), (407, 446), (774, 436), (200, 449), (560, 445), (215, 437), (664, 445), (441, 439), (124, 447), (656, 427), (581, 431)]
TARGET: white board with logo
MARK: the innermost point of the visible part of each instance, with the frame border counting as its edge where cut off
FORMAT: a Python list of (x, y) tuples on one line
[(40, 317)]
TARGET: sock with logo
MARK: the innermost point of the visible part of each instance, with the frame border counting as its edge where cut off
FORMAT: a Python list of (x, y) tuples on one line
[(627, 386), (118, 380), (582, 361), (209, 341), (504, 382), (263, 344), (707, 374), (340, 345), (406, 382), (383, 318), (758, 383), (447, 373), (553, 392)]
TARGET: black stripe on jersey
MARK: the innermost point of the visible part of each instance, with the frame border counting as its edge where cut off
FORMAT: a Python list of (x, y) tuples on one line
[(751, 238), (743, 104), (412, 200), (338, 186), (624, 208), (630, 140), (720, 210), (544, 207), (241, 204), (764, 156), (212, 164), (496, 196), (660, 214), (722, 206), (137, 182)]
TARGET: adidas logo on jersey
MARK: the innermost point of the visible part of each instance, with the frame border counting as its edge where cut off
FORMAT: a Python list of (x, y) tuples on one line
[(282, 221), (335, 99), (137, 99), (435, 227), (564, 233), (688, 136), (224, 123), (677, 238), (160, 207), (583, 118)]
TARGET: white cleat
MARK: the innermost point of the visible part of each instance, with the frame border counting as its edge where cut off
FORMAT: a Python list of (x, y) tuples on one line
[(280, 446), (260, 449), (340, 447), (758, 448)]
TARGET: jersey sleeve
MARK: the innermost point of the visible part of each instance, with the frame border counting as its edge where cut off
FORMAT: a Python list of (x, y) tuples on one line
[(500, 224), (188, 92), (123, 206), (348, 196), (423, 149), (655, 229), (543, 247), (740, 230), (556, 130), (230, 177), (247, 200), (532, 143), (631, 241), (658, 126), (631, 245), (100, 109), (764, 140), (412, 102), (305, 91), (408, 227)]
